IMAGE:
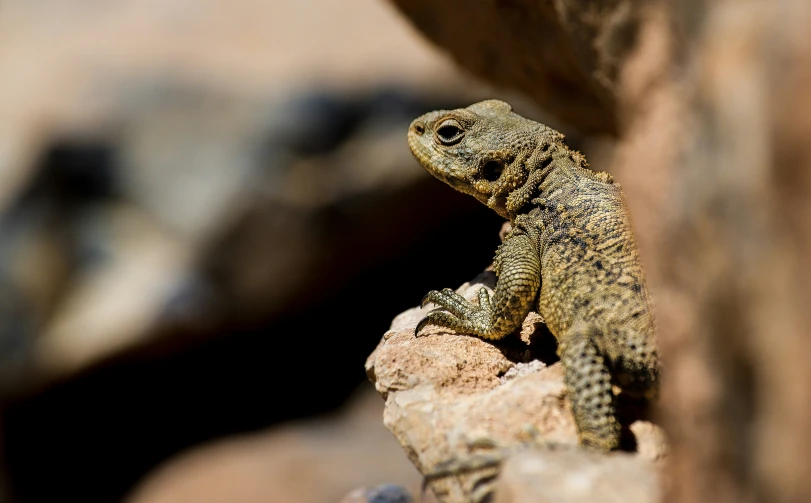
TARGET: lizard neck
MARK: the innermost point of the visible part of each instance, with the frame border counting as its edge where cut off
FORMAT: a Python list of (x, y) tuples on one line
[(565, 167), (553, 167)]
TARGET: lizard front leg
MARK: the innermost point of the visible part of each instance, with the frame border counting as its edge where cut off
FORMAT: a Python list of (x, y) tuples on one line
[(518, 269)]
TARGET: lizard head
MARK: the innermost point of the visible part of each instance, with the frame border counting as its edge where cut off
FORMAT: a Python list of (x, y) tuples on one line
[(484, 150)]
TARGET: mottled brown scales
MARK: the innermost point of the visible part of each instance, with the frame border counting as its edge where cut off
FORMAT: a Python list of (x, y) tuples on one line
[(571, 255)]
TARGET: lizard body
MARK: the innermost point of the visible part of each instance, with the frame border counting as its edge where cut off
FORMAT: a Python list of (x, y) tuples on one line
[(571, 255)]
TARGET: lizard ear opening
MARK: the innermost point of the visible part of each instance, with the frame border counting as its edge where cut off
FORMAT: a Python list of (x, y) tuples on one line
[(491, 170)]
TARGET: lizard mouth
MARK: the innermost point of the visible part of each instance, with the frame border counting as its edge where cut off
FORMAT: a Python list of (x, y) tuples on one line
[(427, 158), (460, 184)]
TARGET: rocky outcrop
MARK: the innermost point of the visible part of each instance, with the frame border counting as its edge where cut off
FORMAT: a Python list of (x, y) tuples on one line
[(565, 55), (459, 405)]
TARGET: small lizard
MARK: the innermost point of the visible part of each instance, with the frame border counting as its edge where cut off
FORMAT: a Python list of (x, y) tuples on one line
[(571, 255)]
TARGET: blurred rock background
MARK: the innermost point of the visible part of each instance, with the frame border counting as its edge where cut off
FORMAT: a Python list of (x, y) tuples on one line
[(209, 216)]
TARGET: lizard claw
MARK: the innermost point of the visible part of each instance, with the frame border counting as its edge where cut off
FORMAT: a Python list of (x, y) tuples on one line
[(423, 322)]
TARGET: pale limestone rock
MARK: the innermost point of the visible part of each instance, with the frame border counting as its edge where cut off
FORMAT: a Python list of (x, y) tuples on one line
[(577, 477)]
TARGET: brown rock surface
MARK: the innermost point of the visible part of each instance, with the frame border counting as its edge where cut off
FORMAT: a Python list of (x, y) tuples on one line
[(715, 163), (565, 55), (313, 461), (455, 398)]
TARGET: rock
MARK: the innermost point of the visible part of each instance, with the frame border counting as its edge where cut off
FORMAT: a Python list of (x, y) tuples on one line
[(715, 165), (565, 55), (312, 461), (459, 401), (577, 477), (386, 493)]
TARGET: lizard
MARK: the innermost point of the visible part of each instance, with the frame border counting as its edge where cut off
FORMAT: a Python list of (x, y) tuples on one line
[(571, 256)]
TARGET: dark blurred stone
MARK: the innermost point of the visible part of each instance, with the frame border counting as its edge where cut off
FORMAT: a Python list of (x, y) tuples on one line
[(79, 168), (315, 123), (48, 233), (386, 493), (17, 331)]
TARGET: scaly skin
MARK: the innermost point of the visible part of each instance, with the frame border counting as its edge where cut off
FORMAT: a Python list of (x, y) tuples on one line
[(571, 255)]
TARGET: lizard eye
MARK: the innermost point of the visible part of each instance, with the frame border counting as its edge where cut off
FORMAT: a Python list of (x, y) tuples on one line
[(449, 132), (491, 171)]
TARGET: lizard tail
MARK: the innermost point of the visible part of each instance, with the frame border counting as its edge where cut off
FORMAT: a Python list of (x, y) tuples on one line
[(588, 383)]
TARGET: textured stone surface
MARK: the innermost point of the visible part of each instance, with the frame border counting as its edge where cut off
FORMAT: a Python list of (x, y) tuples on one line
[(565, 55), (577, 477), (452, 398)]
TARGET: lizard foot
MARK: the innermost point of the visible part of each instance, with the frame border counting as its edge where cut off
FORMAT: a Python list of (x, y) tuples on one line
[(457, 313)]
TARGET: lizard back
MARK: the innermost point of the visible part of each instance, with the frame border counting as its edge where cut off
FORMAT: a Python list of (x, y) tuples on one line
[(590, 267)]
